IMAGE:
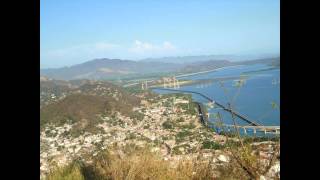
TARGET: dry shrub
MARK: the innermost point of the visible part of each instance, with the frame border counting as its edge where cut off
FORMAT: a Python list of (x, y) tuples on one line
[(143, 164), (195, 170), (69, 172), (247, 164)]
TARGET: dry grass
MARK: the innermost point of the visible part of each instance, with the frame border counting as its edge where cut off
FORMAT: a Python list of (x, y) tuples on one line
[(140, 164), (143, 164), (70, 172)]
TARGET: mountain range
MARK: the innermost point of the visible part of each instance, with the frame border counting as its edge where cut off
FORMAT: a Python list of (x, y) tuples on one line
[(99, 69), (201, 58)]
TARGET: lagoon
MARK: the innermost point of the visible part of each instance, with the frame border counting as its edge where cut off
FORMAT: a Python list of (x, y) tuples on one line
[(258, 98)]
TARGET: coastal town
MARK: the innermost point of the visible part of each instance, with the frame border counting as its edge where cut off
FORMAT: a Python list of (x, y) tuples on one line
[(159, 90), (169, 125)]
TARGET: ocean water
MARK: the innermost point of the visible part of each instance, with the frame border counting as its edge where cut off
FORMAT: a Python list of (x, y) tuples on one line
[(258, 98)]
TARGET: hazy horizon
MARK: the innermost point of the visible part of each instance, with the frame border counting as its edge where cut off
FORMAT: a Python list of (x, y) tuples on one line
[(242, 57), (73, 32)]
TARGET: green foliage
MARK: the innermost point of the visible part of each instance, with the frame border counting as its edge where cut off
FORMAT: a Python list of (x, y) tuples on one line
[(74, 107), (260, 139), (232, 144), (180, 136), (137, 115), (84, 110), (229, 134), (188, 126), (134, 121), (176, 150), (207, 144), (167, 104), (167, 125), (134, 89), (181, 119), (165, 138), (84, 103), (130, 136)]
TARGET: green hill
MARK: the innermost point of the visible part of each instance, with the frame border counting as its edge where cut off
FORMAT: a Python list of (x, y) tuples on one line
[(84, 105)]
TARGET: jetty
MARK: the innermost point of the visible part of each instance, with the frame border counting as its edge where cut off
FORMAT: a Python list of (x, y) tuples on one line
[(265, 129)]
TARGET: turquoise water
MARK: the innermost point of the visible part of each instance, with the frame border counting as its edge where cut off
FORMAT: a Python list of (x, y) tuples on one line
[(258, 98)]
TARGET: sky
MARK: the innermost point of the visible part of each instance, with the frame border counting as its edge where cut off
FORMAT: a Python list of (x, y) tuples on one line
[(76, 31)]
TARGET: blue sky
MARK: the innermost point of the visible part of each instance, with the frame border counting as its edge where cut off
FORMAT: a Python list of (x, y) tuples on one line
[(75, 31)]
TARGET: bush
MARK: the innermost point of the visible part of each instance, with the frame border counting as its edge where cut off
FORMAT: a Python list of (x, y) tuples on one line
[(181, 119), (70, 172), (188, 126), (142, 164), (167, 125), (130, 136), (182, 135), (211, 145), (260, 139), (229, 134), (178, 152), (135, 164), (137, 115)]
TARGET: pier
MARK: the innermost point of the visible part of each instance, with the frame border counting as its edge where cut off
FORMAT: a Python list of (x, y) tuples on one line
[(265, 129)]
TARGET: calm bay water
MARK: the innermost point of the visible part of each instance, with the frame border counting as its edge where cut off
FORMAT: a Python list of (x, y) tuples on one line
[(258, 98)]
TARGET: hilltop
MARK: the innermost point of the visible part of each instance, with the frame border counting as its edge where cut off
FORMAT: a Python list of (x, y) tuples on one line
[(63, 101)]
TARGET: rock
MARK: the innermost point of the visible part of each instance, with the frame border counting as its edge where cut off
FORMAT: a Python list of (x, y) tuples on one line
[(274, 170), (207, 155), (77, 149), (276, 167), (181, 149), (171, 143), (155, 149), (262, 177), (263, 155), (223, 158), (70, 150)]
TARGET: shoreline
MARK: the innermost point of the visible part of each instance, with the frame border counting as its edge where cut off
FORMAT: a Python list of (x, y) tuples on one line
[(203, 72), (261, 131)]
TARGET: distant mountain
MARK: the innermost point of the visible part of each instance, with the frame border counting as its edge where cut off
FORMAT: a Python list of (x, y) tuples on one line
[(214, 64), (203, 58), (102, 69), (205, 65), (186, 59), (107, 69), (269, 61)]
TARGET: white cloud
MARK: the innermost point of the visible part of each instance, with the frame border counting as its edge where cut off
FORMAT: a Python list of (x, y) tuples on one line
[(140, 47)]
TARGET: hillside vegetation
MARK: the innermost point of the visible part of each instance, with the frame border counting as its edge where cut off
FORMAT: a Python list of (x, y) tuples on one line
[(84, 104)]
